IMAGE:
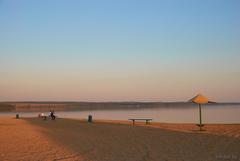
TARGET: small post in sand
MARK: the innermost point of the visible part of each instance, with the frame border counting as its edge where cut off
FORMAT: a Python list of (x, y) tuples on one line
[(90, 118)]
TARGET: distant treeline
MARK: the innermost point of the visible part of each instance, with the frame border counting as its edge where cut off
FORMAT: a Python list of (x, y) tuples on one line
[(7, 107), (83, 106)]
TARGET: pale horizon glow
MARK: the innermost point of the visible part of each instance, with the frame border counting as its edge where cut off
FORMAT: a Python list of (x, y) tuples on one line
[(119, 51)]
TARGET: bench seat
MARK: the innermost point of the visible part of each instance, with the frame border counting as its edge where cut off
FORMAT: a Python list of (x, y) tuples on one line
[(140, 119)]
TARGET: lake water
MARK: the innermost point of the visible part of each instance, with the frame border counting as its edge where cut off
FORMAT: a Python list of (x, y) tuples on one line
[(210, 114)]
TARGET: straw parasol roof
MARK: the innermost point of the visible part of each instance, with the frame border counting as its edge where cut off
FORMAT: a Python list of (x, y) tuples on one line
[(199, 99)]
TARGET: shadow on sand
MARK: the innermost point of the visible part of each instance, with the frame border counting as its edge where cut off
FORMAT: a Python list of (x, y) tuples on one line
[(112, 142)]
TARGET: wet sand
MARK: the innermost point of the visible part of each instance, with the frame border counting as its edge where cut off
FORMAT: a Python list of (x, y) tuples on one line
[(66, 139)]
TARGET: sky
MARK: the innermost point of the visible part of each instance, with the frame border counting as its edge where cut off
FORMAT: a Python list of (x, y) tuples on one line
[(119, 50)]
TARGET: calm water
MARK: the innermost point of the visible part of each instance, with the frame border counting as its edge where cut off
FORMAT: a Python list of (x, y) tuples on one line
[(210, 114)]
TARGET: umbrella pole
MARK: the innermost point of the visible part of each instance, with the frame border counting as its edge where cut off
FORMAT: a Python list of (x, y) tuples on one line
[(200, 116)]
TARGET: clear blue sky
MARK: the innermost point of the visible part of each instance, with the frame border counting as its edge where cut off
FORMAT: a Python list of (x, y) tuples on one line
[(119, 50)]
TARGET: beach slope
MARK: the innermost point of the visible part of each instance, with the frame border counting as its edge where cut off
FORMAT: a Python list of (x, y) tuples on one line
[(66, 139)]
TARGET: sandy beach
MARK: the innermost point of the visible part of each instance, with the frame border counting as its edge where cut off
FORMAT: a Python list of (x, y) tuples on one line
[(65, 139)]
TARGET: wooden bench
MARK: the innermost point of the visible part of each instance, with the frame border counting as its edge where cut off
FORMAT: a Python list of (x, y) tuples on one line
[(147, 120)]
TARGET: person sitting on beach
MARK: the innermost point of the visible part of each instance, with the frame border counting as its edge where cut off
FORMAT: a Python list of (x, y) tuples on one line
[(52, 115)]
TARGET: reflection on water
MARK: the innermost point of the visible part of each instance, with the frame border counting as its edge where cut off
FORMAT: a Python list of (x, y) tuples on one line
[(210, 114)]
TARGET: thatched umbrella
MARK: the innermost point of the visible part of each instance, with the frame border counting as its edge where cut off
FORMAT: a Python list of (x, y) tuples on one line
[(200, 99)]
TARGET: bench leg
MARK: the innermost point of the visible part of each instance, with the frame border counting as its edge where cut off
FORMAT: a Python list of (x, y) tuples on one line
[(146, 122), (133, 122)]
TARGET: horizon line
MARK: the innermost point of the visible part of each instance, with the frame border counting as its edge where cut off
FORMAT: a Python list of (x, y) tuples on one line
[(106, 102)]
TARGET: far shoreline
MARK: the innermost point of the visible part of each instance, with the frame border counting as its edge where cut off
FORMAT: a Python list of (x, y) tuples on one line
[(88, 106)]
